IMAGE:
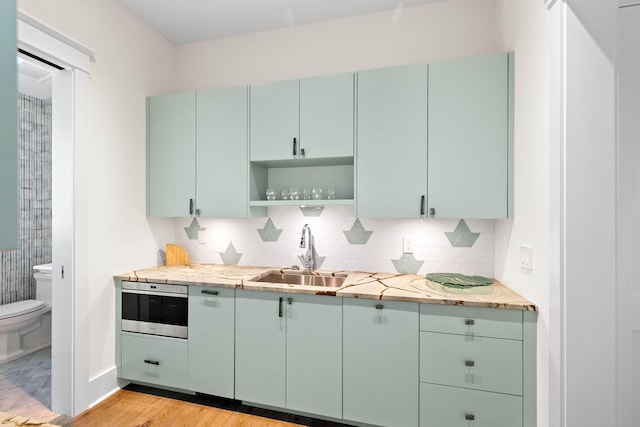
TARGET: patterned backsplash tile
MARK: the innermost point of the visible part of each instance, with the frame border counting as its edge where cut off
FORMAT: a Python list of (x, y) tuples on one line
[(345, 242)]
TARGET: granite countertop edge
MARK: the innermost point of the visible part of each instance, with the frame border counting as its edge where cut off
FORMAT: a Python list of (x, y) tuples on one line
[(363, 285)]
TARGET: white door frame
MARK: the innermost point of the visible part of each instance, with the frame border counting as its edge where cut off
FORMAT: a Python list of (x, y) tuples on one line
[(70, 208), (628, 67)]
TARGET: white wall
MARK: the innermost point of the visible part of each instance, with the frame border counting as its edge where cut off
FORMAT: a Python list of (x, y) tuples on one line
[(132, 61), (525, 29), (438, 31), (589, 214)]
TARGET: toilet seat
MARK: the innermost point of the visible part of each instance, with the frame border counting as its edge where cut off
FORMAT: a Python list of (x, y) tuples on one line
[(20, 308)]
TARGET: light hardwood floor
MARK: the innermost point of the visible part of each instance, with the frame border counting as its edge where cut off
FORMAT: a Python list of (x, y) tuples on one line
[(132, 408)]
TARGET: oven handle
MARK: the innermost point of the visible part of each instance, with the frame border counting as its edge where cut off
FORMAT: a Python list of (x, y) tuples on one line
[(161, 294)]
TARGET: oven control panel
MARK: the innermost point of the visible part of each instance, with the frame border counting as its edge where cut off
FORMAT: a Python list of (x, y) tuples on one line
[(155, 287)]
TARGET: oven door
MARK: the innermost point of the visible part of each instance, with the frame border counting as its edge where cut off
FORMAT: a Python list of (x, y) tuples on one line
[(155, 313)]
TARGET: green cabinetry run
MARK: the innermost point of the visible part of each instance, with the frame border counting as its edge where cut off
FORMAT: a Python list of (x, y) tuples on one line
[(380, 379), (392, 142), (470, 134), (211, 340), (8, 127), (298, 341), (197, 154)]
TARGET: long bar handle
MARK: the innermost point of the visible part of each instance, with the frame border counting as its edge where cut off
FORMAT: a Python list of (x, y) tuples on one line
[(280, 313), (208, 292), (152, 362)]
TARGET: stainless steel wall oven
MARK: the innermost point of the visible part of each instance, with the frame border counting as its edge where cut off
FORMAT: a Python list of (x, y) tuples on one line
[(155, 309)]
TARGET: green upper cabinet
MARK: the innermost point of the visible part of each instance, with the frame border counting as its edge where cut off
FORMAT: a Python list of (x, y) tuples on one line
[(326, 116), (198, 162), (392, 142), (171, 151), (222, 158), (275, 120), (470, 137), (310, 118), (8, 127)]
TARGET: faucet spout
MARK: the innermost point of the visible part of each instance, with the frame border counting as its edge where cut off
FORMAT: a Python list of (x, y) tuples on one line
[(307, 258)]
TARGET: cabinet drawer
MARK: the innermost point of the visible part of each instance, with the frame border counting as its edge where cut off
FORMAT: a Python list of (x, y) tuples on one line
[(456, 407), (486, 322), (490, 364), (152, 360)]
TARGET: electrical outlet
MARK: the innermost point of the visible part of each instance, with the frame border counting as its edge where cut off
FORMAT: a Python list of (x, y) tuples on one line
[(407, 245), (202, 237), (526, 258)]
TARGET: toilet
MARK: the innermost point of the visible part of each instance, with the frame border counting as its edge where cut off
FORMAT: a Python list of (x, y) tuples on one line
[(25, 326)]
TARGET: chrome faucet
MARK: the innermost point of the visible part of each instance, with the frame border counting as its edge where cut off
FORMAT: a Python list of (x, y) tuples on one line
[(307, 258)]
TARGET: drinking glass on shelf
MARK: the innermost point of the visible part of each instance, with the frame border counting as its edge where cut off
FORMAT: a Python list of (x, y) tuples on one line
[(284, 193), (294, 193), (331, 193), (316, 193), (271, 194), (306, 193)]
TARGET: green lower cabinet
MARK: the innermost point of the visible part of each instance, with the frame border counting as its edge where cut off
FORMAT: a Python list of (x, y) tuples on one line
[(260, 347), (314, 354), (289, 351), (154, 360), (211, 340), (444, 406), (380, 362)]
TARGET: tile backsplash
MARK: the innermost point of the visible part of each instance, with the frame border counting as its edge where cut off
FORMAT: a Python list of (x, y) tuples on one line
[(343, 242)]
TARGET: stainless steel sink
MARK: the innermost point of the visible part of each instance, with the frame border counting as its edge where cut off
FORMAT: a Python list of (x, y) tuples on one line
[(303, 278)]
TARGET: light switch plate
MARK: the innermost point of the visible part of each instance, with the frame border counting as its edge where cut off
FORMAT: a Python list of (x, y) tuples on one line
[(526, 258), (407, 245)]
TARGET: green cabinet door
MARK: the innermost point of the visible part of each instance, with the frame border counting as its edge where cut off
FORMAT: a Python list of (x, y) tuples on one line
[(380, 357), (326, 116), (275, 120), (222, 152), (314, 354), (171, 154), (469, 137), (260, 347), (211, 340), (8, 127), (392, 142)]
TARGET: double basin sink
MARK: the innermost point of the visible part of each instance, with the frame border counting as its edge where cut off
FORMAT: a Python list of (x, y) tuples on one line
[(303, 278)]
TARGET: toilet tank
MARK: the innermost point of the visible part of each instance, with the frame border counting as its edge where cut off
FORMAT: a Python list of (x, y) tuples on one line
[(42, 274)]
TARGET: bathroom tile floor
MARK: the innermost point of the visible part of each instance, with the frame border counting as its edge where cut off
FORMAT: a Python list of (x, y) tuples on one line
[(25, 386)]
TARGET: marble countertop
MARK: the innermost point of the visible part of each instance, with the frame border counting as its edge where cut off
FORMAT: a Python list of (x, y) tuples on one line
[(383, 286)]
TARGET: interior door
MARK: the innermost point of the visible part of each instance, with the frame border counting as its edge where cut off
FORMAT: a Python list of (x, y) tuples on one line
[(628, 209)]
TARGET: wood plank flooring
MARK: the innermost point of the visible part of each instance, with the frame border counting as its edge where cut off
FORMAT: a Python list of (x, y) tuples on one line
[(138, 406)]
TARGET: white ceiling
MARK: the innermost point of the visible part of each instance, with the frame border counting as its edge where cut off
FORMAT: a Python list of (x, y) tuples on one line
[(188, 21)]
